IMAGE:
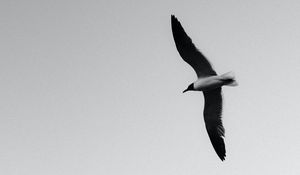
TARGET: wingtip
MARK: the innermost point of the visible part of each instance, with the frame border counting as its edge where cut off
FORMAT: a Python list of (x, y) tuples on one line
[(221, 156), (173, 17), (215, 134), (175, 22)]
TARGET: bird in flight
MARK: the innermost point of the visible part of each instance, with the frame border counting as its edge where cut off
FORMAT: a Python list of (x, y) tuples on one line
[(208, 82)]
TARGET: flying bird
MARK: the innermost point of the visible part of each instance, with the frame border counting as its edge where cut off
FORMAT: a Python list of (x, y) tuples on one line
[(208, 82)]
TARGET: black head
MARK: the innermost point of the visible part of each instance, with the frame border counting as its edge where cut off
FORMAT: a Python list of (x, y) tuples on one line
[(189, 88)]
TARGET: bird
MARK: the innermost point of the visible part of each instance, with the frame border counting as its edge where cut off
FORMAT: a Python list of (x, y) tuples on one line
[(208, 82)]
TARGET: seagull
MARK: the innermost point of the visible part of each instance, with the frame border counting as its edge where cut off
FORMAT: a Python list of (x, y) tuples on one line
[(208, 82)]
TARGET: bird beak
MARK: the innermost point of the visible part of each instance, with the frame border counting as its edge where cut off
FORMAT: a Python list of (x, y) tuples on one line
[(185, 91)]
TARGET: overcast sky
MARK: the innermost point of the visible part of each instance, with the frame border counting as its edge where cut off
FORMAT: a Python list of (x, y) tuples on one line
[(95, 87)]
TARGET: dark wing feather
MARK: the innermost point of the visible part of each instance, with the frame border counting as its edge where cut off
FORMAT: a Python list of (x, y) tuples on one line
[(189, 52), (213, 120)]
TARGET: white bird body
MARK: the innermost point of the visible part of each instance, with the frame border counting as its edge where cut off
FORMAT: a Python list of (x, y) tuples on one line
[(215, 81)]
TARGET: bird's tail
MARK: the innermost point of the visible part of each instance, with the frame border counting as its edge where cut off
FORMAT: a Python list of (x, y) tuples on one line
[(230, 78)]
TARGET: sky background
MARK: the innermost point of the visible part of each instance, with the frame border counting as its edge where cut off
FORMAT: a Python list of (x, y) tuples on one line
[(95, 87)]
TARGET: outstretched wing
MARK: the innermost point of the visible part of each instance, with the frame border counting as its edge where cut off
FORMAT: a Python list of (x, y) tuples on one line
[(189, 52), (213, 121)]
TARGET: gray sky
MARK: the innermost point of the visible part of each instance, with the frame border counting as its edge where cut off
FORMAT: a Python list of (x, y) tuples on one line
[(95, 87)]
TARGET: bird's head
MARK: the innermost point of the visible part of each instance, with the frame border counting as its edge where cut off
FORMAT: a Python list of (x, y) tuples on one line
[(189, 88)]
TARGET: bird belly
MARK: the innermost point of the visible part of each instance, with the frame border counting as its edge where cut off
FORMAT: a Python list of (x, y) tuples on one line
[(208, 83)]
